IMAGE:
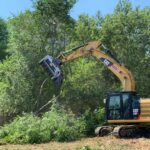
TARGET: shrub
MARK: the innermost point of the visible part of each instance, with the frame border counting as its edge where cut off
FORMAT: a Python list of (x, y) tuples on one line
[(63, 126), (92, 120), (58, 125), (25, 129)]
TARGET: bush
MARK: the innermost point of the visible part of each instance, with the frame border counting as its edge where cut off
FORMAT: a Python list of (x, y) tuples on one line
[(92, 120), (25, 129), (56, 124), (63, 126)]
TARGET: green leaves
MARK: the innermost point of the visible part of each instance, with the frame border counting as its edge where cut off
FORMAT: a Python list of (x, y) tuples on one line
[(15, 96), (56, 125), (57, 9), (126, 32), (3, 39), (87, 28)]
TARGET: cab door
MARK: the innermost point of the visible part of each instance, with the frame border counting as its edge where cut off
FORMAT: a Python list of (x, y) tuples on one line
[(127, 106), (114, 105)]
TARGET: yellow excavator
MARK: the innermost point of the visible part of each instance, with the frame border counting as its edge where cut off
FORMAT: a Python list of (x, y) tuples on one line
[(126, 114)]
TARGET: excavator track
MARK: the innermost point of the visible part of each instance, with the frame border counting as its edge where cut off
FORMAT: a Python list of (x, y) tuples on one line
[(103, 130), (123, 131), (127, 131)]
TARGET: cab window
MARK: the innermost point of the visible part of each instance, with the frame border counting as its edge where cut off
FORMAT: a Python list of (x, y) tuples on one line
[(114, 102), (126, 101), (114, 107)]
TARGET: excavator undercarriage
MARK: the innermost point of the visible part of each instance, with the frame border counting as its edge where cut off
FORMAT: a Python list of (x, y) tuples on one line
[(124, 131)]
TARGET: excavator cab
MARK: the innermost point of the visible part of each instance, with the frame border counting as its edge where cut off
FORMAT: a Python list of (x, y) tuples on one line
[(52, 67), (122, 106)]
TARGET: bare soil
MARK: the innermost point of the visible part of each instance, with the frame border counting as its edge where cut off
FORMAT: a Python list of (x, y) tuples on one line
[(96, 143)]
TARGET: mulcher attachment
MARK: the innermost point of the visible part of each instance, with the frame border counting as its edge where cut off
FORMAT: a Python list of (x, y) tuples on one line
[(52, 67)]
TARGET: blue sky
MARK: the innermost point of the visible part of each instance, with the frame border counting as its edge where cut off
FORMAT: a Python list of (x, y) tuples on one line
[(90, 7)]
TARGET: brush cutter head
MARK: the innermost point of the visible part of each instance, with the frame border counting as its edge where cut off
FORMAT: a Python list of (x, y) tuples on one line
[(52, 67)]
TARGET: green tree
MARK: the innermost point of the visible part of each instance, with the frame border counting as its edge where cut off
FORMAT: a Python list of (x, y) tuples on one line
[(33, 35), (87, 29), (55, 23), (126, 32), (15, 89), (3, 39)]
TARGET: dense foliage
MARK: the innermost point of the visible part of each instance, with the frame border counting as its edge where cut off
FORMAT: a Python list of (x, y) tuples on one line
[(15, 90), (3, 38), (49, 29), (56, 124)]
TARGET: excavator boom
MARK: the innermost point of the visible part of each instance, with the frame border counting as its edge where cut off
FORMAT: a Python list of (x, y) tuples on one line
[(52, 65)]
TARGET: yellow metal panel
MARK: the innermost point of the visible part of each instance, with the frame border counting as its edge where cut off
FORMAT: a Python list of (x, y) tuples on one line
[(145, 110), (145, 104), (145, 113), (145, 107), (130, 121), (145, 100)]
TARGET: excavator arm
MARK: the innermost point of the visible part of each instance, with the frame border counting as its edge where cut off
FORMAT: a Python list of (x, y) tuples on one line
[(92, 48)]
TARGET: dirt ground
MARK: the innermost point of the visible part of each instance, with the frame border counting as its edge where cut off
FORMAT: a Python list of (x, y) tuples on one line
[(96, 143)]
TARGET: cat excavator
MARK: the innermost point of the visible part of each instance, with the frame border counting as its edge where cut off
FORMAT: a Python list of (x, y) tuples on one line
[(126, 114)]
